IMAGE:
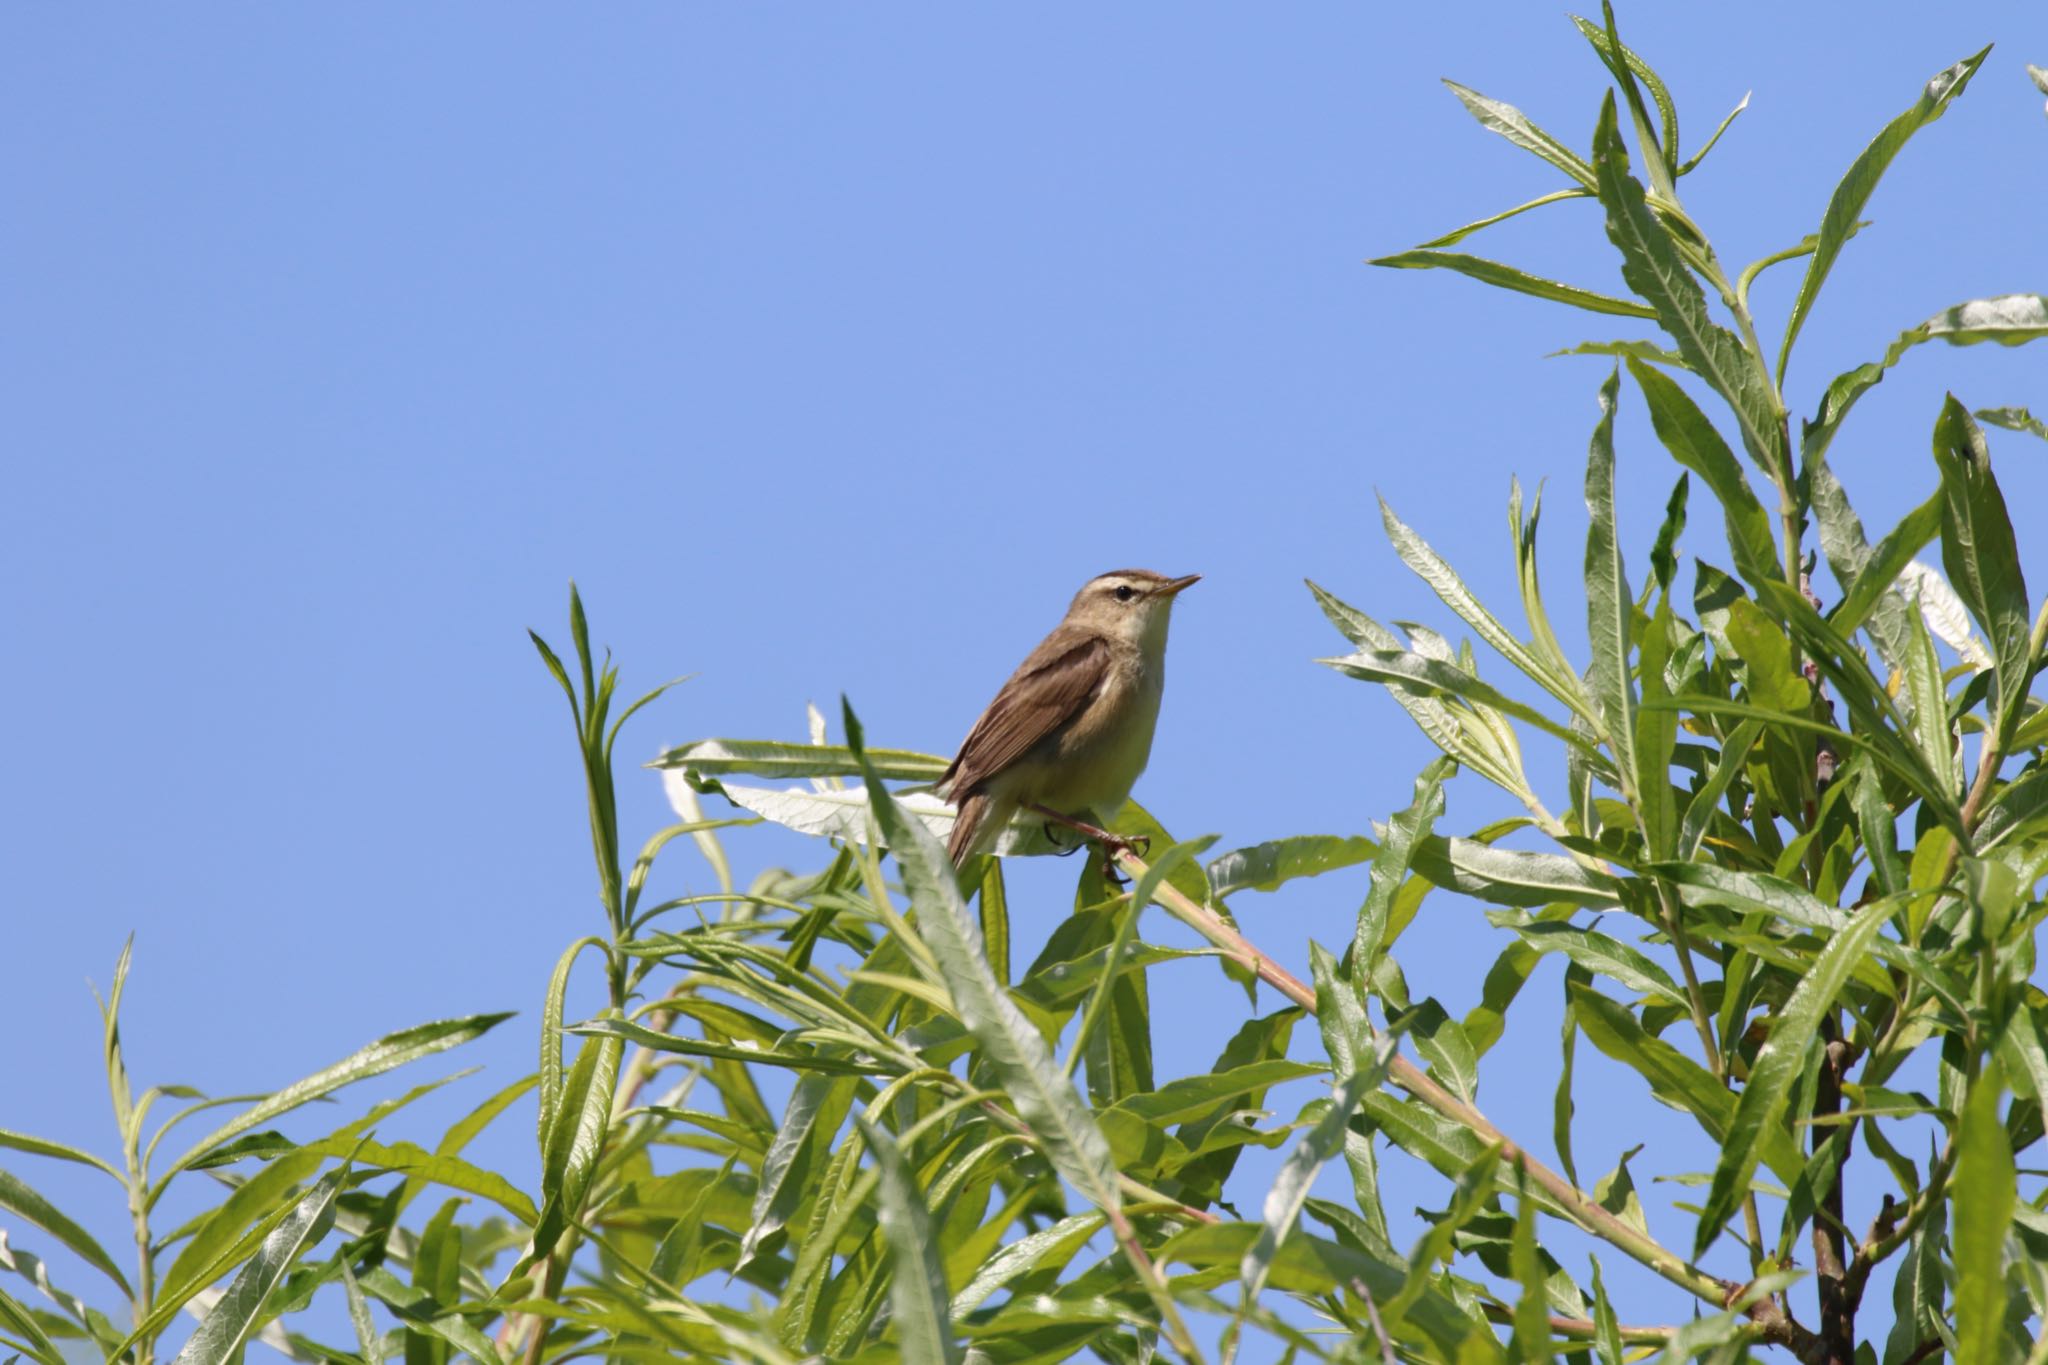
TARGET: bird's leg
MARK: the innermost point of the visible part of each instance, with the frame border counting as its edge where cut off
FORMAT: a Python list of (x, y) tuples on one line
[(1112, 844)]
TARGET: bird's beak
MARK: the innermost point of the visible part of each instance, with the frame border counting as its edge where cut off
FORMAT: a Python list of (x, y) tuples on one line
[(1173, 588)]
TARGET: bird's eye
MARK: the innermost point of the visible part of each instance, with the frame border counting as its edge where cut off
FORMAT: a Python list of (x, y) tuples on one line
[(1125, 592)]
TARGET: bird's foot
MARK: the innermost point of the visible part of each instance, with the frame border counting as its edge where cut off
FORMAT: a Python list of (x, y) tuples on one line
[(1064, 850)]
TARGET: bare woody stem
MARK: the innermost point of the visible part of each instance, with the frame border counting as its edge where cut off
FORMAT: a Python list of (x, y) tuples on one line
[(1775, 1324)]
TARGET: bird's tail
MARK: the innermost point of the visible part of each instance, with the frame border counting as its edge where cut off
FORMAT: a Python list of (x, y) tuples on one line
[(976, 828)]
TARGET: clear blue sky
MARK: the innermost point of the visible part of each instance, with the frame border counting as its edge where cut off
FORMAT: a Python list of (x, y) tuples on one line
[(829, 349)]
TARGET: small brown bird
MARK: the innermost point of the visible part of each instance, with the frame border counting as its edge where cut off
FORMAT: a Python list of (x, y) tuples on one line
[(1071, 730)]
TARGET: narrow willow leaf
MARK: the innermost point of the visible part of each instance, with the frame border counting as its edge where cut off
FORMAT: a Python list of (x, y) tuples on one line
[(1456, 235), (1985, 1193), (1919, 1289), (844, 815), (1443, 580), (1532, 1306), (575, 1141), (1390, 868), (773, 758), (24, 1142), (1978, 549), (774, 1196), (1050, 1246), (18, 1197), (1282, 1208), (1606, 1330), (1760, 1112), (1563, 1109), (391, 1051), (1512, 124), (1627, 70), (919, 1301), (1664, 551), (1044, 1097), (1486, 1021), (2009, 320), (1846, 205), (2013, 419), (1648, 351), (1453, 1063), (1603, 956), (1511, 876), (1728, 764), (1269, 866), (226, 1328), (995, 920), (1880, 572), (1519, 281), (1608, 600), (1657, 734), (16, 1318), (1654, 269), (1848, 552), (1694, 443), (551, 1032), (1674, 1078), (1407, 668), (1692, 162)]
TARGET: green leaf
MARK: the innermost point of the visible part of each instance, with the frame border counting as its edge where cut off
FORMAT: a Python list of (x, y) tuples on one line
[(2013, 419), (227, 1326), (1459, 234), (1664, 550), (16, 1317), (1282, 1209), (368, 1340), (1654, 269), (1512, 124), (919, 1302), (2009, 320), (1608, 600), (1918, 1291), (18, 1197), (1881, 568), (387, 1053), (1674, 1078), (1390, 868), (1846, 205), (1052, 1245), (774, 758), (575, 1141), (774, 1196), (1978, 549), (1269, 866), (995, 920), (1627, 70), (1510, 876), (1519, 281), (1986, 1191), (1605, 956), (1648, 351), (1606, 1330), (1443, 580), (1695, 444), (1760, 1113), (24, 1142), (550, 1075), (1397, 669), (1014, 1049), (1453, 1063), (1532, 1306)]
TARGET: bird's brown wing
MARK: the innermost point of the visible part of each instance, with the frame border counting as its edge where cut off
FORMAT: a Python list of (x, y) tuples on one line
[(1048, 689)]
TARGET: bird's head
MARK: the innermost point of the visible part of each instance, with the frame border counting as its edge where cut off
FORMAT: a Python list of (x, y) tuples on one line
[(1128, 604)]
